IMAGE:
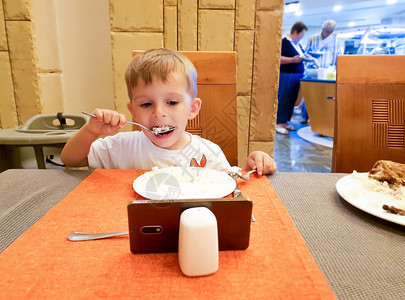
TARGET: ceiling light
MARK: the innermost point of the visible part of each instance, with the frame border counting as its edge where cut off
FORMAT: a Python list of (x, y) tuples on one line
[(391, 1), (292, 7), (337, 8), (351, 24), (298, 13)]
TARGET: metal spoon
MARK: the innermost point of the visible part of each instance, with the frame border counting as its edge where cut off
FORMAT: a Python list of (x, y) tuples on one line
[(237, 193), (247, 175), (82, 236), (235, 175), (155, 130)]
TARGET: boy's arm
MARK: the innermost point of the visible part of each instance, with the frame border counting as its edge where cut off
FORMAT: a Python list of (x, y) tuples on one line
[(107, 122), (75, 152)]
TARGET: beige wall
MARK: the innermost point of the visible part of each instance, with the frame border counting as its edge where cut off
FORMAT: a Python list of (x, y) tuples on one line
[(55, 56), (84, 47), (71, 55)]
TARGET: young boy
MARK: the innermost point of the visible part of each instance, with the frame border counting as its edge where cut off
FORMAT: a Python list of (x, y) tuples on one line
[(162, 90)]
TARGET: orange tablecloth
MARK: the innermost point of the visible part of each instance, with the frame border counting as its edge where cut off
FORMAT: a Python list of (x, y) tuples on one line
[(42, 263)]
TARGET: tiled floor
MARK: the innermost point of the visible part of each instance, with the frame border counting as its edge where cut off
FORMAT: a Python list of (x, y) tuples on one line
[(294, 154)]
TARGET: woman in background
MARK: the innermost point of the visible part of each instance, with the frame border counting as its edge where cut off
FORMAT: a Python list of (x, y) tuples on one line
[(291, 70)]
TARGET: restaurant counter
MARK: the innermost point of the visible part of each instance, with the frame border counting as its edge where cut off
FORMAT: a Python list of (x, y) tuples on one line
[(309, 79), (319, 96), (361, 256)]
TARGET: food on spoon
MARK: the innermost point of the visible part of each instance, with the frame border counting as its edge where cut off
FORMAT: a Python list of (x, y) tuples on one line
[(162, 129), (389, 171)]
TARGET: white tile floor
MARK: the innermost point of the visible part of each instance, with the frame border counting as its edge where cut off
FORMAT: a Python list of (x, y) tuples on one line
[(295, 154)]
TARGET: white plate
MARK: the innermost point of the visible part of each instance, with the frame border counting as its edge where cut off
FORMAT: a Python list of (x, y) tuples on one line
[(184, 183), (354, 191)]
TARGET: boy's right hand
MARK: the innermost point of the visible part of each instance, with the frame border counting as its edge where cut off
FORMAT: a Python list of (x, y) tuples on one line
[(107, 122), (77, 148)]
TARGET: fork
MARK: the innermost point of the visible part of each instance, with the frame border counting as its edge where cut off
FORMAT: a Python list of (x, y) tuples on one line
[(239, 175), (237, 193), (154, 130)]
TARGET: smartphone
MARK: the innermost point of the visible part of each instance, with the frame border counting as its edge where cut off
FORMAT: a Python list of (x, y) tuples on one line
[(154, 224)]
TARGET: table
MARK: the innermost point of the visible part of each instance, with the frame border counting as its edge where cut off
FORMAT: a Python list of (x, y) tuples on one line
[(360, 256), (319, 96)]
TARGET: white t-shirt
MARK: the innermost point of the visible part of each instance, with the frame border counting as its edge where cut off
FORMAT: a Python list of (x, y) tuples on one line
[(133, 150)]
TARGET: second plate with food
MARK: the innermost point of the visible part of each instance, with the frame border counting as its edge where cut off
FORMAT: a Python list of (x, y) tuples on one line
[(370, 195)]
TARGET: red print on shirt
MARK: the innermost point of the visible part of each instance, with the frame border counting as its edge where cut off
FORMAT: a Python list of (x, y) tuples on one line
[(203, 162)]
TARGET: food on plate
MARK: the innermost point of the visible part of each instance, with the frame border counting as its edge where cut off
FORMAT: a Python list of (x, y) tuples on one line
[(393, 174), (186, 174), (380, 192), (394, 210), (360, 188), (363, 187), (389, 171), (183, 182)]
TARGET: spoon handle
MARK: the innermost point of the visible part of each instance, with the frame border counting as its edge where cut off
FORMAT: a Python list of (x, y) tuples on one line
[(82, 236)]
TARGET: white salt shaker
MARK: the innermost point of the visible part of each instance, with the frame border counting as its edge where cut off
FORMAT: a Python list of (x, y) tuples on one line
[(198, 242)]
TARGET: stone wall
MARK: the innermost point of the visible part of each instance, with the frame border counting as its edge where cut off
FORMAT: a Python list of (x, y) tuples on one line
[(19, 90), (55, 56), (33, 77)]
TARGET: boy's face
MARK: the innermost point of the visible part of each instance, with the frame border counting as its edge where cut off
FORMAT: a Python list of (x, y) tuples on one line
[(164, 104)]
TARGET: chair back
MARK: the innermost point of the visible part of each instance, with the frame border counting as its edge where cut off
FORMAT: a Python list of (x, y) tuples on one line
[(370, 112), (216, 84)]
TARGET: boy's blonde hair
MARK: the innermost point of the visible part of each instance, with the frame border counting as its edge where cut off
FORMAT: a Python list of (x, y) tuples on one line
[(161, 63)]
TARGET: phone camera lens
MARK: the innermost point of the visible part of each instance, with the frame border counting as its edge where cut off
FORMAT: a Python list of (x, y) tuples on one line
[(151, 229)]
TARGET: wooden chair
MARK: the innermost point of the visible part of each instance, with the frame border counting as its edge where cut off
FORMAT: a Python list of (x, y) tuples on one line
[(370, 112), (216, 83)]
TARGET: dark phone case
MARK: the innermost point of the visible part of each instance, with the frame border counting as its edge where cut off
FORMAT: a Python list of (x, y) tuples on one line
[(147, 217)]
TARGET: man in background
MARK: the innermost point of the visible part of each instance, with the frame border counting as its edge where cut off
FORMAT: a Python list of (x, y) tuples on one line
[(323, 41)]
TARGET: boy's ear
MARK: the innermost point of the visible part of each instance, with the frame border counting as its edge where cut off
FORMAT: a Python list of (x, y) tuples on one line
[(129, 106), (194, 108)]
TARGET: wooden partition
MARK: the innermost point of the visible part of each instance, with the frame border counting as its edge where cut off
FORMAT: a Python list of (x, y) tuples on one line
[(216, 83), (370, 112)]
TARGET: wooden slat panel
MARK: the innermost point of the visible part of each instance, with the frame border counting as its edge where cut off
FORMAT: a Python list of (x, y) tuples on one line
[(364, 133), (380, 111), (212, 67), (380, 131), (371, 69), (397, 111), (195, 131)]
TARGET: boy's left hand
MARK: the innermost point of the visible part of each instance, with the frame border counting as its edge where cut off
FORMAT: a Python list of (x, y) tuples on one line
[(260, 161)]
